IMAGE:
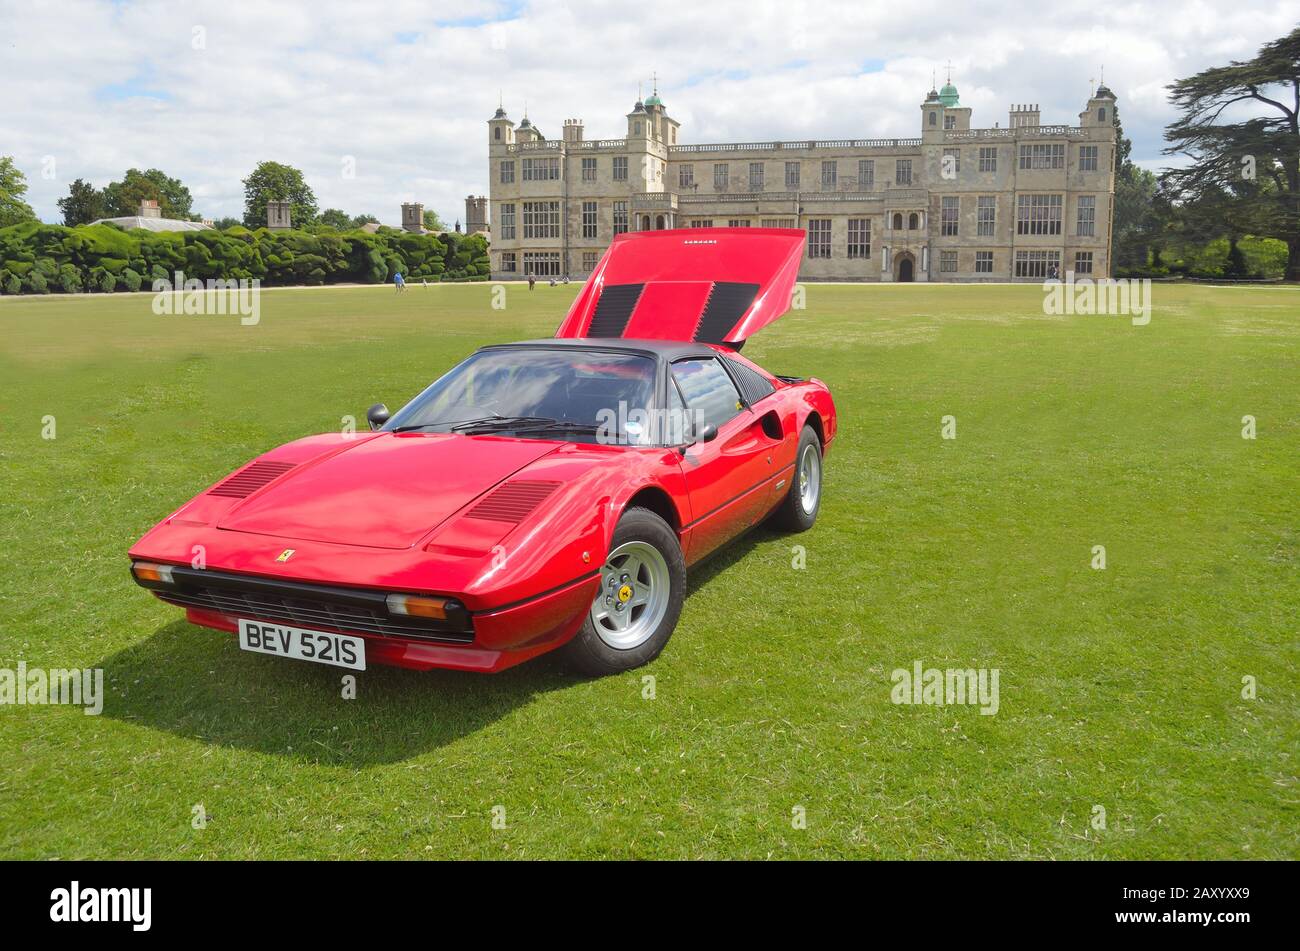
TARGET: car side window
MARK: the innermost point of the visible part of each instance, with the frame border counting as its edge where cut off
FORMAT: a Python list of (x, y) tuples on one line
[(710, 395)]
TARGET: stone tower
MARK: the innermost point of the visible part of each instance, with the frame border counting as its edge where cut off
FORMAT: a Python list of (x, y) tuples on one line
[(277, 215), (476, 214), (413, 217)]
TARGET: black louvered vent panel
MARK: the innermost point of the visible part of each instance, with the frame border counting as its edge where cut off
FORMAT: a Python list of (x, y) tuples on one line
[(311, 613), (247, 481), (513, 501), (727, 304), (614, 310), (753, 386)]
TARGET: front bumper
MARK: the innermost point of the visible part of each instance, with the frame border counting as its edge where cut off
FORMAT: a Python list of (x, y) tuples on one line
[(488, 640)]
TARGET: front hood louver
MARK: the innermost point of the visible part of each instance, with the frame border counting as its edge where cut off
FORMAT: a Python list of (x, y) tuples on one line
[(248, 480), (513, 501)]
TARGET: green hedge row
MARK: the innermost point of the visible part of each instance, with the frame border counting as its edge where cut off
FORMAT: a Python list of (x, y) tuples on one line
[(37, 258)]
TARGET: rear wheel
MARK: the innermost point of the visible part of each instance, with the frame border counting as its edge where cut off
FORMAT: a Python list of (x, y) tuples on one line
[(642, 586), (798, 510)]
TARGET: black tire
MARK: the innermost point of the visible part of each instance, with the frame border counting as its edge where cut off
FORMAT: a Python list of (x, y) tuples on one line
[(791, 515), (588, 651)]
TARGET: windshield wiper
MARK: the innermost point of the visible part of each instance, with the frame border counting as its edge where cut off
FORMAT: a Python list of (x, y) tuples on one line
[(465, 424), (532, 425), (498, 422)]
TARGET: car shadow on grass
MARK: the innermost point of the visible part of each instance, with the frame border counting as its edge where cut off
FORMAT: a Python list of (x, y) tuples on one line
[(195, 682)]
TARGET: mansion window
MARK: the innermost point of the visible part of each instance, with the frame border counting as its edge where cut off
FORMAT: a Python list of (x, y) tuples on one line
[(738, 223), (819, 237), (701, 222), (620, 217), (686, 176), (541, 169), (898, 221), (903, 172), (1087, 216), (588, 169), (866, 172), (589, 260), (986, 215), (541, 220), (1038, 214), (509, 262), (508, 221), (951, 162), (778, 222), (721, 176), (950, 122), (948, 261), (589, 219), (542, 263), (830, 173), (1087, 158), (620, 168), (1037, 263), (756, 176), (983, 262), (791, 175), (949, 215), (1083, 262), (1042, 155), (988, 159), (507, 172), (859, 238), (913, 221)]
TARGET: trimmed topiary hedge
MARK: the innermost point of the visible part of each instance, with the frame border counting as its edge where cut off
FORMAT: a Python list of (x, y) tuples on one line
[(37, 258)]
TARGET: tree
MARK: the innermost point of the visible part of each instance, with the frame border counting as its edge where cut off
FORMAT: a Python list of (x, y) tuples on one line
[(272, 181), (433, 223), (84, 204), (335, 218), (13, 185), (122, 199), (1141, 211), (1255, 160), (221, 224), (360, 220)]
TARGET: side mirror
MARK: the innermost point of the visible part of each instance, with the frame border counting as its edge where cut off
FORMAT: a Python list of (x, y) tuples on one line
[(377, 415), (708, 432)]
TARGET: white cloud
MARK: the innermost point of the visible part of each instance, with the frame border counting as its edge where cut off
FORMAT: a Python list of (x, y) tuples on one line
[(405, 88)]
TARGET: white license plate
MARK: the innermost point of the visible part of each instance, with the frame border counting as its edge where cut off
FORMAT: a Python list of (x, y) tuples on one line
[(321, 647)]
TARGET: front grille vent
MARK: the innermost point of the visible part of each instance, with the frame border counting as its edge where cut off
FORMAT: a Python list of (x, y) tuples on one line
[(312, 613)]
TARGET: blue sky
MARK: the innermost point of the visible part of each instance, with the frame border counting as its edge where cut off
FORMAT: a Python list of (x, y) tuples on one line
[(401, 93)]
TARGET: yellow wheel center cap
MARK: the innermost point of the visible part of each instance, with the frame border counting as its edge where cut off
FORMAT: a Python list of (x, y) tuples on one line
[(625, 593)]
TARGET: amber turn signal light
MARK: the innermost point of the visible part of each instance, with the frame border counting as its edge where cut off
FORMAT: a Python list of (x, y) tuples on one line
[(414, 605), (148, 571)]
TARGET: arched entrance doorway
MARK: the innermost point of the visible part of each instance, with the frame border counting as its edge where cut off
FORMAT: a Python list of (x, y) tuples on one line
[(659, 223), (905, 267)]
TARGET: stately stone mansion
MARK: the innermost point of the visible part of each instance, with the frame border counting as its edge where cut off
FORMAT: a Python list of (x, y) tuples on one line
[(1020, 202)]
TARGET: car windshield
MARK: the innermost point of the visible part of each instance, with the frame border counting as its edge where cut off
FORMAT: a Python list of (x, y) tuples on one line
[(580, 394)]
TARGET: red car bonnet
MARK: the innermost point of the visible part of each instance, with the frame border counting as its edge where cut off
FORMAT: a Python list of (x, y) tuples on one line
[(711, 285)]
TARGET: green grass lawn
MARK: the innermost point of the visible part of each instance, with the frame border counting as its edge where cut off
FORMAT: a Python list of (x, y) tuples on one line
[(1119, 688)]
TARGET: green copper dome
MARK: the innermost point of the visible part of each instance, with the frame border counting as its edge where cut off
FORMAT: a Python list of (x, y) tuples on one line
[(948, 95), (654, 100)]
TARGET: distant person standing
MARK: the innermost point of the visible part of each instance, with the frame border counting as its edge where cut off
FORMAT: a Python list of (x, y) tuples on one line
[(532, 280), (399, 285)]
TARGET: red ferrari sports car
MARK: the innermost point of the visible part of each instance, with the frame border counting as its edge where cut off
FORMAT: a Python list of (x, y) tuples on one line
[(544, 494)]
